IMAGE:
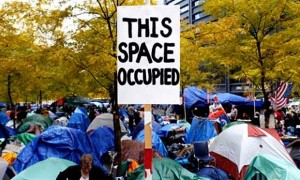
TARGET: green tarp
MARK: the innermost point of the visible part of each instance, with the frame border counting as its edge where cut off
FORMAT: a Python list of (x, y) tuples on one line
[(38, 119), (44, 170), (25, 137), (271, 167), (164, 168)]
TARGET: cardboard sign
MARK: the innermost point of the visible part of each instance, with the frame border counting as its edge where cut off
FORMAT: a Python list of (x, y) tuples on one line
[(148, 54)]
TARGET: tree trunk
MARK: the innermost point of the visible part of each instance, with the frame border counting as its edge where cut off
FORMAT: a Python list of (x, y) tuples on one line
[(9, 91)]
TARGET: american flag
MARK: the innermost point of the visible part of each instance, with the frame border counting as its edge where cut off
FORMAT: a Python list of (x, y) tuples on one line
[(282, 94)]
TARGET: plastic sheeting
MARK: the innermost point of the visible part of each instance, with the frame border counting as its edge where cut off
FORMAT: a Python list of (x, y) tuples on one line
[(272, 168), (56, 141), (194, 97), (6, 132), (47, 169), (164, 168), (140, 126), (26, 137), (164, 131), (102, 139), (201, 130), (212, 173), (3, 118), (156, 142), (37, 119), (79, 121)]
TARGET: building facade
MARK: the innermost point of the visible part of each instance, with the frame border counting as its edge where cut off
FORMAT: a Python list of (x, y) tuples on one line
[(192, 11)]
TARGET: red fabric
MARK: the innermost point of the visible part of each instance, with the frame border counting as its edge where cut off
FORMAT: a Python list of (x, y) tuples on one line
[(254, 131), (273, 133), (60, 102), (148, 160), (229, 167)]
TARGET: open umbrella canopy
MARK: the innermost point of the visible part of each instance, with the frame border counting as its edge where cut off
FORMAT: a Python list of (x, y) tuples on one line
[(47, 169)]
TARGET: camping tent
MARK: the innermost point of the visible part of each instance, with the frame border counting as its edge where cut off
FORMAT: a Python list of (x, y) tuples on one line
[(47, 169), (156, 142), (79, 119), (37, 119), (271, 167), (164, 168), (56, 141), (105, 119), (102, 139), (235, 148), (294, 150)]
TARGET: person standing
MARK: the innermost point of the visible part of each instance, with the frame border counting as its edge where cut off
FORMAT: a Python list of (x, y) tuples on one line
[(233, 113)]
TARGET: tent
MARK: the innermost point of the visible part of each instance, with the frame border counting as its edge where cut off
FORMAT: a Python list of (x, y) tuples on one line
[(271, 167), (140, 126), (228, 98), (156, 142), (235, 148), (105, 119), (56, 141), (102, 139), (200, 130), (3, 118), (164, 168), (132, 149), (194, 97), (35, 119), (79, 119), (294, 150), (6, 132), (47, 169)]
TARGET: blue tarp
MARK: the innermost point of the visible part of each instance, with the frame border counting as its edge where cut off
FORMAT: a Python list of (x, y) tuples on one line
[(156, 142), (201, 130), (194, 97), (212, 173), (6, 132), (56, 141), (228, 98), (3, 118), (140, 126), (164, 131), (79, 120), (102, 139)]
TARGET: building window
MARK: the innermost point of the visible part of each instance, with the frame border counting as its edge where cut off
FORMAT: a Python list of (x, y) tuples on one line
[(197, 3), (184, 9), (173, 2)]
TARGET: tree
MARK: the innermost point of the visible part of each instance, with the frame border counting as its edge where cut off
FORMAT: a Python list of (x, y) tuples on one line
[(255, 40)]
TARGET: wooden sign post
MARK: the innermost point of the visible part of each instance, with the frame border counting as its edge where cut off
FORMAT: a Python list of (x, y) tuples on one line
[(148, 45)]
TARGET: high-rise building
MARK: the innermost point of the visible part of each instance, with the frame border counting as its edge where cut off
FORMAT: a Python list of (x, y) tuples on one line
[(192, 11)]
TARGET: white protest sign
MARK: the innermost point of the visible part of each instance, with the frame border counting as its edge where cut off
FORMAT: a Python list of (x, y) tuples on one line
[(148, 54)]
